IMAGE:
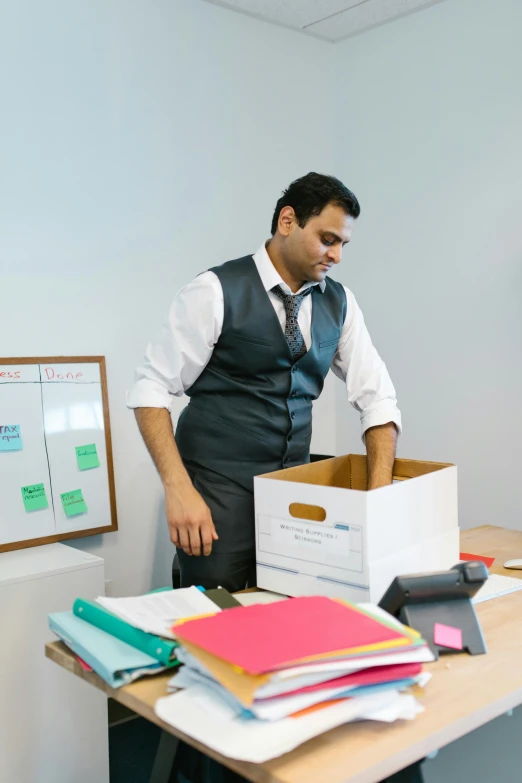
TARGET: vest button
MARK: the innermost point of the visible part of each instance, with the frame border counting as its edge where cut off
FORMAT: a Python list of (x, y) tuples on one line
[(294, 393), (292, 415), (294, 368)]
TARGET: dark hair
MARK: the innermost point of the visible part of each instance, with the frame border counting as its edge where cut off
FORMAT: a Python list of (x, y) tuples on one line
[(309, 195)]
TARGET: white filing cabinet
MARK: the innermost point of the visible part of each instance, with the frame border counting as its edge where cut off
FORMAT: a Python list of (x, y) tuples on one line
[(53, 726)]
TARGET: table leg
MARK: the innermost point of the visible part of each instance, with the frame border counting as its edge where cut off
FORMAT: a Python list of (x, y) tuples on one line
[(164, 760)]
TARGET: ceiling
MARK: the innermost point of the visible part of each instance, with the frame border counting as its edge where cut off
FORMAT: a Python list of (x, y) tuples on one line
[(331, 20)]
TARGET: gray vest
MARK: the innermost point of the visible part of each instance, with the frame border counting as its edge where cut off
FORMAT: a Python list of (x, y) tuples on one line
[(250, 410)]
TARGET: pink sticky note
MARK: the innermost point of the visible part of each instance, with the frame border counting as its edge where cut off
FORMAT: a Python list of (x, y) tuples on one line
[(447, 636)]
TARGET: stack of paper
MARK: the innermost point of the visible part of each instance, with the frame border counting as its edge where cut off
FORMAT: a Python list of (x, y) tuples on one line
[(260, 680), (157, 612)]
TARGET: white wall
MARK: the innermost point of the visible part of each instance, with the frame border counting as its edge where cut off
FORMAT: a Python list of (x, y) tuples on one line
[(141, 142), (429, 137)]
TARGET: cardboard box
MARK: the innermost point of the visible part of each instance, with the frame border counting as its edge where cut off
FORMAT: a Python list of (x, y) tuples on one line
[(319, 532)]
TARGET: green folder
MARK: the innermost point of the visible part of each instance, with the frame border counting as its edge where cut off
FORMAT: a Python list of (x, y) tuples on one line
[(164, 650)]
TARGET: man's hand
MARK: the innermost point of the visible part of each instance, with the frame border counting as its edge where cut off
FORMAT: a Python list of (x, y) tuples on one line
[(188, 516), (190, 521)]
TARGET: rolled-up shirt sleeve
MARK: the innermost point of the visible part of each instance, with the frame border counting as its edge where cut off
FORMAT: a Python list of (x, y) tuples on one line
[(357, 363), (181, 350)]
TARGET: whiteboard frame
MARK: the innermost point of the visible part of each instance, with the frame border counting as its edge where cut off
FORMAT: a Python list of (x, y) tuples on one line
[(100, 360)]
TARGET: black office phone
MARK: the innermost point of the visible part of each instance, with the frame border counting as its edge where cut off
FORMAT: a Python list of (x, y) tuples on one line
[(421, 600)]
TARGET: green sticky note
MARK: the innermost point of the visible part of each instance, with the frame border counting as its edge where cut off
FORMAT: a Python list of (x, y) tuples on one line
[(87, 457), (34, 497), (73, 503)]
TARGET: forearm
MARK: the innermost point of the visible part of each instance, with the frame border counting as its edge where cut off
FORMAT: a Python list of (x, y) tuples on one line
[(155, 426), (188, 516), (381, 444)]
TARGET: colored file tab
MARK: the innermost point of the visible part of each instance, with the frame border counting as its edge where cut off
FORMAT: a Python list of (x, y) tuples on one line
[(87, 457), (34, 497), (263, 638), (73, 503), (10, 437)]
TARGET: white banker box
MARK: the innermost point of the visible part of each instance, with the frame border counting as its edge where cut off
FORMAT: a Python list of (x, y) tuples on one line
[(319, 532)]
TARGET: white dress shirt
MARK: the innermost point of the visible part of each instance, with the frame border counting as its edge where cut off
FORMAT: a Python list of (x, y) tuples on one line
[(182, 349)]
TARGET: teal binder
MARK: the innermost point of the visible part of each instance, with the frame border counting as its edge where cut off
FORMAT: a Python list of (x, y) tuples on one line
[(116, 662), (163, 650)]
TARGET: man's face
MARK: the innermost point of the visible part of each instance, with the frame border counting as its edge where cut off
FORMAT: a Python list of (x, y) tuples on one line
[(310, 252)]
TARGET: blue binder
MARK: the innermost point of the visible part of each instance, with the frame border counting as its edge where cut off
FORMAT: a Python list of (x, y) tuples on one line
[(115, 661)]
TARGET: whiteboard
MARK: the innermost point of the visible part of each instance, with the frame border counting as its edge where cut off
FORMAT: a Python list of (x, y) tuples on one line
[(56, 472)]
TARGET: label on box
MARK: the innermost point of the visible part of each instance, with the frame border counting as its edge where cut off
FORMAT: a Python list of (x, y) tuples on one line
[(291, 543), (311, 536)]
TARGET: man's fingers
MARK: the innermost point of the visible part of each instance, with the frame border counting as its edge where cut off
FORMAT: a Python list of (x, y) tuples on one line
[(206, 539), (184, 541), (195, 540), (212, 527)]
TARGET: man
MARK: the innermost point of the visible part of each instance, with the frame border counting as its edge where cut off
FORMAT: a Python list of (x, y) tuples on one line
[(250, 343)]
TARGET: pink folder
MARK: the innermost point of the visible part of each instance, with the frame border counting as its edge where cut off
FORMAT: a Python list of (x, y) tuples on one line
[(265, 637)]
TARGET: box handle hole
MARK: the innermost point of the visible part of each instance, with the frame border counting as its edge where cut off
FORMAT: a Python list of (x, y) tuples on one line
[(305, 511)]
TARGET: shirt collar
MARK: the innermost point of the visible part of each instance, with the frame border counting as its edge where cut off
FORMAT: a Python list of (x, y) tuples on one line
[(270, 277)]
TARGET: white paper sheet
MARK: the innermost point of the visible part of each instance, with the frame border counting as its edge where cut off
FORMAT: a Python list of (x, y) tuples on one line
[(410, 708), (156, 612), (292, 684), (284, 706), (208, 719)]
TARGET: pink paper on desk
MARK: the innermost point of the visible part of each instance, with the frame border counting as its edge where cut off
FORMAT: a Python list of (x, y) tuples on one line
[(483, 559), (447, 636), (264, 637)]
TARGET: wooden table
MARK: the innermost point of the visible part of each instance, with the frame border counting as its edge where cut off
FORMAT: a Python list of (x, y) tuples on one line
[(464, 693)]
